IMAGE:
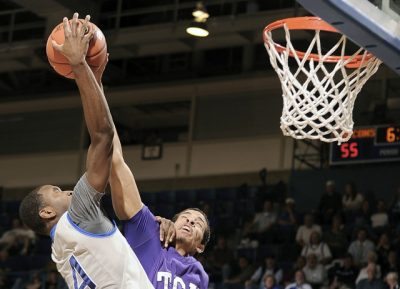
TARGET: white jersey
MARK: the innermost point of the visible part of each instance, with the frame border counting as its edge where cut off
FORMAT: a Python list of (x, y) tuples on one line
[(95, 261)]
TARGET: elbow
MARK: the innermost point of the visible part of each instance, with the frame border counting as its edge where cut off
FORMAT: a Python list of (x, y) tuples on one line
[(108, 140), (107, 131), (104, 135), (109, 135)]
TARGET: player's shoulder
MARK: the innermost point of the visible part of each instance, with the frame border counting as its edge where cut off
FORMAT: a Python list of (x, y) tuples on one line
[(194, 263), (199, 265), (200, 269), (203, 275), (143, 213)]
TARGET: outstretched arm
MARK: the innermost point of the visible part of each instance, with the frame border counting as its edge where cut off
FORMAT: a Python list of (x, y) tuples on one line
[(96, 111), (122, 180), (124, 192)]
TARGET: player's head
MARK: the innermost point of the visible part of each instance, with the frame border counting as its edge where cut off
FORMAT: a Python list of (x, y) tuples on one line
[(192, 230), (43, 206)]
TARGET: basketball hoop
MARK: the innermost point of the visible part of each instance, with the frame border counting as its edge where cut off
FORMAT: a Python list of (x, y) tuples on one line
[(318, 107)]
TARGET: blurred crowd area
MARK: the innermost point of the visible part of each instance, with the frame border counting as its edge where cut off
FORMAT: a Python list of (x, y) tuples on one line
[(260, 239), (24, 257)]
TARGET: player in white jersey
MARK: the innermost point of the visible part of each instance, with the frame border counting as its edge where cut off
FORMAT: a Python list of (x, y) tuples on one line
[(87, 255), (87, 247)]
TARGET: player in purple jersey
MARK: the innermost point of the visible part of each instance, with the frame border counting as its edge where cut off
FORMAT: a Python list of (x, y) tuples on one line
[(166, 268)]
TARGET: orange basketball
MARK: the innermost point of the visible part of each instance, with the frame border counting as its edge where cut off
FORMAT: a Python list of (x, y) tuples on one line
[(95, 57)]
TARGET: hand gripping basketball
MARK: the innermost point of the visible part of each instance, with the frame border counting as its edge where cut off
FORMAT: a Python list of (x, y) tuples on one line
[(73, 41)]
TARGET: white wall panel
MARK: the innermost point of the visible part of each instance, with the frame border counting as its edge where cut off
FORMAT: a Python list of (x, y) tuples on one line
[(207, 159)]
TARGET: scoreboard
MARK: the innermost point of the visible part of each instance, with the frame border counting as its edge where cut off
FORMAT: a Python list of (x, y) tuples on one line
[(367, 145)]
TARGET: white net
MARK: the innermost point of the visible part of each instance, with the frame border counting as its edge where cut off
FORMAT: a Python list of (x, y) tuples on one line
[(318, 99)]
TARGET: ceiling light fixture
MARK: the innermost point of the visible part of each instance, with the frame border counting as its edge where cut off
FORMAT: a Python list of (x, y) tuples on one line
[(200, 11), (198, 27)]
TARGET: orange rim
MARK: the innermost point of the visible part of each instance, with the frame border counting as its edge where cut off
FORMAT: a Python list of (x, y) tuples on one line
[(311, 23)]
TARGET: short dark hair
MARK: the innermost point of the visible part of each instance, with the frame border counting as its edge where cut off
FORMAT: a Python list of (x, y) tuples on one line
[(29, 211), (207, 231)]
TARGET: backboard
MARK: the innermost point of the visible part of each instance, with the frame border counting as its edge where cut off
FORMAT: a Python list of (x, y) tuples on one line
[(372, 24)]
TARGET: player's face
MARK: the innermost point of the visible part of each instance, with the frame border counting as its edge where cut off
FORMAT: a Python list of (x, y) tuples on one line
[(56, 198), (190, 227)]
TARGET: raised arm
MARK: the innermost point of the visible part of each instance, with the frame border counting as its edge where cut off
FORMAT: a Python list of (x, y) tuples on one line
[(124, 192), (96, 111)]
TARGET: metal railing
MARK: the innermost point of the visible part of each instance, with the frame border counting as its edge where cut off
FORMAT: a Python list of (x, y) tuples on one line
[(8, 31)]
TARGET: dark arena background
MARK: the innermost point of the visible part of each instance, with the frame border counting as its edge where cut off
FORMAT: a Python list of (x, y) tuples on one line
[(198, 118)]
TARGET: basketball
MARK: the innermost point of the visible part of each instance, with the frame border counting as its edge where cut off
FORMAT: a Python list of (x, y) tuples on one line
[(95, 57)]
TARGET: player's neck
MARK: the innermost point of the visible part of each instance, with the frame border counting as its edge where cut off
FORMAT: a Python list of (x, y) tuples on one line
[(181, 250), (50, 226)]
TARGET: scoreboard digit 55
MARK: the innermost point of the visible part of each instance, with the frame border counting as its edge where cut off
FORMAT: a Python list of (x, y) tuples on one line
[(368, 144)]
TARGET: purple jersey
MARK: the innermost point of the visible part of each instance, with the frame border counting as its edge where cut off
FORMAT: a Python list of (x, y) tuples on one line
[(166, 268)]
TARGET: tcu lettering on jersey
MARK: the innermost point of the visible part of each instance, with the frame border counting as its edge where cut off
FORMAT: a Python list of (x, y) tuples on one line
[(177, 282)]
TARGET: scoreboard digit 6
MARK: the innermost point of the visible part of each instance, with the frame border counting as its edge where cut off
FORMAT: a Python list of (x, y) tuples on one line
[(368, 144), (388, 134)]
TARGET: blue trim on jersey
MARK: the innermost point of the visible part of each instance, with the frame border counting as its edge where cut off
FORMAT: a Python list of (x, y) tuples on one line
[(53, 232), (76, 267), (82, 231)]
